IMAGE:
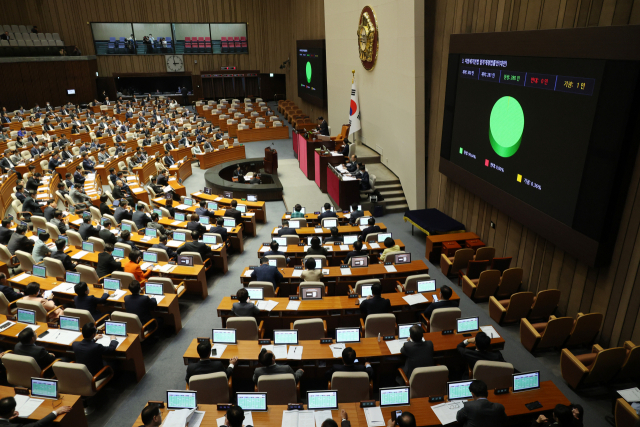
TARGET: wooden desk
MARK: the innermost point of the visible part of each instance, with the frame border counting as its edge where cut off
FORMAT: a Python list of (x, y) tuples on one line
[(75, 418), (337, 311), (312, 218), (342, 230), (262, 134), (128, 353), (180, 153), (434, 243), (306, 150), (342, 193), (145, 171), (102, 169), (321, 161), (183, 170), (217, 157), (260, 208)]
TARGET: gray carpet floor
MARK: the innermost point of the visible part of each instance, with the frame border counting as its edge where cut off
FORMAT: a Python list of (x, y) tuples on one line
[(120, 403)]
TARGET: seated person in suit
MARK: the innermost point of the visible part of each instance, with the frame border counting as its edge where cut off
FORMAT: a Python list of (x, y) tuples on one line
[(479, 411), (345, 148), (104, 205), (274, 250), (8, 291), (5, 232), (353, 218), (20, 193), (375, 304), (372, 228), (219, 229), (106, 234), (88, 352), (419, 352), (50, 209), (390, 246), (233, 212), (194, 224), (112, 175), (133, 266), (316, 248), (156, 225), (106, 262), (203, 211), (297, 212), (40, 249), (31, 205), (120, 192), (207, 366), (19, 242), (563, 415), (8, 412), (78, 176), (196, 246), (84, 301), (269, 367), (256, 179), (357, 251), (87, 230), (63, 257), (125, 238), (237, 171), (266, 273), (352, 164), (87, 163), (445, 293), (349, 365), (363, 176), (26, 346), (151, 415), (59, 222), (311, 274), (327, 213), (141, 305), (482, 351), (122, 211), (242, 307), (286, 230), (171, 253), (335, 236), (140, 218)]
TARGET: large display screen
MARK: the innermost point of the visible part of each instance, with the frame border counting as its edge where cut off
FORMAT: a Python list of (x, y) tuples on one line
[(311, 68)]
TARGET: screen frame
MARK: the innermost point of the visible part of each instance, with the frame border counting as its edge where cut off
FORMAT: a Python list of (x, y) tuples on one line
[(119, 285), (465, 318), (313, 44), (345, 342), (286, 330), (322, 391), (394, 388), (41, 396), (111, 321), (513, 381), (195, 392), (435, 286), (70, 317), (235, 335), (19, 310), (458, 382), (254, 289), (266, 405), (302, 298), (154, 284)]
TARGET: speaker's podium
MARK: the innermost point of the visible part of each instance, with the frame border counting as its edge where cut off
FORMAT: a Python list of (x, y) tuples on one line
[(270, 161)]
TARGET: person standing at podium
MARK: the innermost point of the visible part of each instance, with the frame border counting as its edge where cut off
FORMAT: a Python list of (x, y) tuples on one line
[(323, 127)]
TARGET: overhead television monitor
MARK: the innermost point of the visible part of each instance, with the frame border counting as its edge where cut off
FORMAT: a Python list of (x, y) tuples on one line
[(312, 74), (71, 91), (545, 131)]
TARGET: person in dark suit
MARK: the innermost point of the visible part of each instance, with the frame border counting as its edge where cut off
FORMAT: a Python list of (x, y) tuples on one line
[(8, 413), (54, 162), (242, 307), (106, 234), (363, 176), (203, 211), (122, 212), (327, 213), (20, 193), (125, 238), (5, 233), (120, 192), (267, 273), (286, 230), (140, 218), (194, 224), (64, 258), (20, 242), (88, 352), (78, 176), (335, 236), (482, 351), (479, 412), (151, 416), (445, 294), (352, 164), (233, 212), (163, 178), (195, 246), (104, 205), (112, 175), (355, 213), (87, 230), (106, 263), (316, 248), (26, 346), (171, 253), (50, 209), (156, 225), (140, 305), (84, 301), (207, 366), (357, 251), (345, 148), (375, 304), (31, 205), (274, 250), (8, 291), (372, 228), (418, 351), (563, 415), (323, 126), (168, 160), (268, 361), (348, 360)]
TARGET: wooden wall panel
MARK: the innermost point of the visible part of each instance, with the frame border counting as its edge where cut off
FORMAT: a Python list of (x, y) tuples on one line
[(613, 290), (273, 26)]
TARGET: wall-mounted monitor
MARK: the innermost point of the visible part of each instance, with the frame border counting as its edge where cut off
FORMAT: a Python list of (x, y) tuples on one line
[(312, 71)]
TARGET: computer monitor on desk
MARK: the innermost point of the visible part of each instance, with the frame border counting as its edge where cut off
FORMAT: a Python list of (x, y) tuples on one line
[(347, 335), (224, 336), (349, 239), (457, 390), (322, 400), (394, 396), (182, 399), (526, 381), (330, 223), (255, 294)]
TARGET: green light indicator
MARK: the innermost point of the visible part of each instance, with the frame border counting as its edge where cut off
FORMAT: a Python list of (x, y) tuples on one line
[(506, 125), (308, 72)]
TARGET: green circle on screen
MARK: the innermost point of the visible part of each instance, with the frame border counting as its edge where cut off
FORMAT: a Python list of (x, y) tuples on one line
[(506, 125), (308, 72)]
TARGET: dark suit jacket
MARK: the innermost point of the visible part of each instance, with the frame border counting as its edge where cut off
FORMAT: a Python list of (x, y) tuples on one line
[(121, 214), (90, 353), (32, 206), (286, 231), (107, 236), (87, 230), (141, 219), (349, 368), (440, 304), (481, 413), (324, 128), (327, 214), (203, 367), (107, 264), (105, 209), (141, 305), (41, 356), (10, 294), (46, 421), (375, 305), (19, 242), (90, 303), (369, 230), (365, 184), (5, 235), (221, 231), (472, 356), (419, 355), (199, 247), (354, 216), (267, 273), (245, 309), (234, 213), (48, 213), (66, 260), (192, 225)]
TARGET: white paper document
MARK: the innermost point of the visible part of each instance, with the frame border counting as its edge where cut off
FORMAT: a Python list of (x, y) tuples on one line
[(60, 336), (395, 346), (446, 412), (178, 418), (106, 340), (490, 331), (328, 248), (26, 405), (279, 351), (248, 273), (296, 273), (117, 294), (344, 247), (390, 268), (182, 207), (21, 277), (77, 221), (220, 348), (158, 298), (318, 230), (345, 271), (295, 352), (80, 254), (630, 394), (374, 245), (336, 349), (298, 419), (264, 249), (374, 417), (415, 299), (266, 305), (174, 243), (64, 287), (322, 416), (293, 305)]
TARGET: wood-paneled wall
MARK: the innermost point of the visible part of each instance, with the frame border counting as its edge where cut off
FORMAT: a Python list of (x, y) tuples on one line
[(613, 290), (272, 29)]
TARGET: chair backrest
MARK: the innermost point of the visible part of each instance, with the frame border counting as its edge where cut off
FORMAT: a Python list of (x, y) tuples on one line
[(267, 288), (352, 386), (125, 278), (211, 388), (126, 248), (461, 259), (39, 222), (585, 329), (485, 253), (607, 364), (75, 239), (134, 326), (246, 327), (631, 366), (20, 369), (54, 267), (383, 324), (510, 282), (26, 260), (281, 260), (371, 237), (41, 312), (84, 315), (73, 378), (487, 284), (411, 282), (305, 285), (556, 332), (625, 414), (429, 381), (133, 225), (4, 305), (98, 243), (310, 329), (5, 255), (519, 306), (444, 318), (87, 274), (95, 213), (291, 239), (500, 264), (280, 388), (359, 283), (545, 304), (474, 268), (494, 374), (167, 284), (162, 254)]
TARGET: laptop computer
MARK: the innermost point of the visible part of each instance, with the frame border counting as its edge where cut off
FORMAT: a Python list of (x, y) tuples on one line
[(212, 205), (179, 217), (26, 316), (330, 223), (526, 381), (39, 271), (44, 388), (252, 197), (255, 294), (151, 288), (179, 236), (403, 330), (118, 253), (87, 246), (229, 222), (151, 232), (457, 390), (111, 284)]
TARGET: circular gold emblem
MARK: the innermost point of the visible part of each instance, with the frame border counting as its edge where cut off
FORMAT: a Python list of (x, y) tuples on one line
[(368, 38)]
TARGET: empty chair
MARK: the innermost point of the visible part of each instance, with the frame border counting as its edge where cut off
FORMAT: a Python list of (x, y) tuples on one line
[(126, 248), (551, 334), (280, 388), (6, 308), (500, 264), (585, 329), (451, 265), (134, 326), (351, 386), (545, 304), (379, 324), (485, 287), (75, 378), (625, 414), (360, 283), (88, 274), (442, 319), (54, 268), (168, 287), (473, 270), (310, 329), (84, 316), (26, 260), (39, 222), (246, 328), (75, 239), (98, 243), (212, 388), (125, 278), (20, 369), (485, 253), (509, 282), (268, 290), (427, 381), (494, 374), (411, 282), (597, 367), (510, 310), (631, 366)]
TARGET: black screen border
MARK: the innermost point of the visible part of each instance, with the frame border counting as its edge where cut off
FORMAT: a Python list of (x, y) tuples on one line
[(313, 44)]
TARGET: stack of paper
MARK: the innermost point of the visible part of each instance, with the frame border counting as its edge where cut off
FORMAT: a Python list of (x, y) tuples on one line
[(344, 247), (306, 248), (328, 248), (182, 207), (414, 299), (390, 268), (158, 298), (325, 271), (217, 199), (265, 249), (248, 420), (322, 416), (296, 273), (630, 394), (298, 418), (345, 271), (248, 273), (196, 193), (181, 417), (25, 405), (490, 331), (446, 412), (395, 346), (374, 245), (174, 243), (293, 305), (266, 305), (146, 265), (106, 340), (295, 352), (336, 349), (77, 221), (318, 230), (374, 417), (64, 287), (21, 277), (79, 254)]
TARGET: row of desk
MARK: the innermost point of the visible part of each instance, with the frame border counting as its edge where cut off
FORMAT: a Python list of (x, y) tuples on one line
[(338, 252)]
